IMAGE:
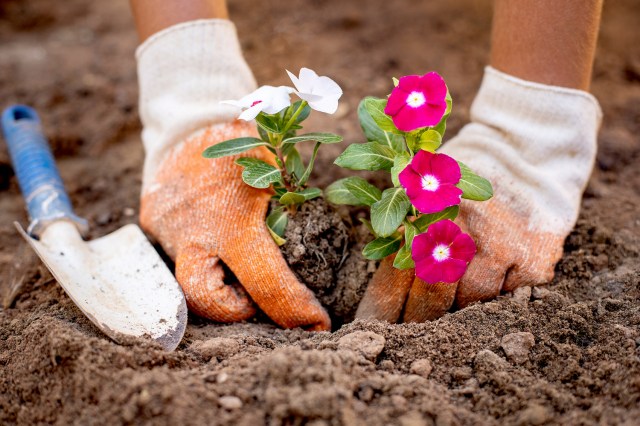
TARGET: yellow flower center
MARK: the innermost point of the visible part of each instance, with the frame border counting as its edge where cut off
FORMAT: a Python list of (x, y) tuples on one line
[(430, 183), (441, 252), (416, 99)]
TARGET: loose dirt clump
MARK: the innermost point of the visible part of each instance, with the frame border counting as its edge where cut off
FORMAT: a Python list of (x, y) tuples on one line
[(325, 252), (317, 244)]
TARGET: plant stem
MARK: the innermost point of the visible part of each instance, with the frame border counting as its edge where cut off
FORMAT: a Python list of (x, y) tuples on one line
[(295, 115), (305, 177), (278, 140), (271, 140), (283, 170)]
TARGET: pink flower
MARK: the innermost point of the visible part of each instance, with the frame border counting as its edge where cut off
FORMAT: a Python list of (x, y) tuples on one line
[(417, 101), (430, 181), (442, 253)]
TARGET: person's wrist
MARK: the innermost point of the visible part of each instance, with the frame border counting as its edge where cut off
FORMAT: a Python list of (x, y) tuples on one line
[(535, 142), (152, 16), (534, 121)]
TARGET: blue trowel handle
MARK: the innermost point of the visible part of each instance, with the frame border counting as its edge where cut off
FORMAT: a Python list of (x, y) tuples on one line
[(35, 167)]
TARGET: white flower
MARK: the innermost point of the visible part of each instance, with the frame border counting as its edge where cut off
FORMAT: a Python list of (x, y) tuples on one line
[(268, 99), (322, 93)]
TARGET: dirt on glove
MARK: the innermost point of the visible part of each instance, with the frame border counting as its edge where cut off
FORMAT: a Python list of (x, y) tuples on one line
[(566, 353)]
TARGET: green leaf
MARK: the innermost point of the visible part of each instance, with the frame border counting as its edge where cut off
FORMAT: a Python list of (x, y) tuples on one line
[(374, 133), (403, 259), (366, 156), (412, 141), (449, 102), (304, 114), (366, 193), (263, 135), (301, 196), (277, 221), (388, 213), (375, 108), (410, 231), (395, 81), (277, 238), (424, 220), (257, 173), (294, 164), (291, 198), (382, 247), (318, 137), (232, 147), (399, 164), (430, 140), (311, 193), (337, 193), (286, 149), (279, 190), (442, 125), (473, 186), (268, 123)]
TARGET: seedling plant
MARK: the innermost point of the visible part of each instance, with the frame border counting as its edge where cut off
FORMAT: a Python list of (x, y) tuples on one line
[(414, 218), (279, 122)]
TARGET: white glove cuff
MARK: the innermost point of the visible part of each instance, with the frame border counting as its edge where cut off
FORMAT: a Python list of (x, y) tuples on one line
[(537, 143), (184, 72)]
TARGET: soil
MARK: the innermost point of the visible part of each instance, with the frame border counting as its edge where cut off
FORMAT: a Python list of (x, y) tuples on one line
[(566, 353), (324, 249)]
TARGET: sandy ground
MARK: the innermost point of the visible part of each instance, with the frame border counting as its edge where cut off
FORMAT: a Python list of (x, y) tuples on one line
[(567, 353)]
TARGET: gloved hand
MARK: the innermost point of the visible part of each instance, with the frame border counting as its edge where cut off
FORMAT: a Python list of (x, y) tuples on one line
[(536, 144), (199, 209)]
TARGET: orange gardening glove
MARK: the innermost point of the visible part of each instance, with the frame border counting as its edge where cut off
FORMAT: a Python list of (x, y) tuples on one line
[(200, 210), (203, 214), (536, 144), (500, 264)]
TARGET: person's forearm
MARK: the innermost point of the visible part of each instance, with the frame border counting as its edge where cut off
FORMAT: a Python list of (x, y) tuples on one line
[(546, 41), (152, 16)]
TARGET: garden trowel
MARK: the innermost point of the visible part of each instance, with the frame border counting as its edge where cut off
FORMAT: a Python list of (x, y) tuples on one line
[(119, 281)]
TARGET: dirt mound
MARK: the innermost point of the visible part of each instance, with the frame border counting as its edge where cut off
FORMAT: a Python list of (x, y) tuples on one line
[(324, 249)]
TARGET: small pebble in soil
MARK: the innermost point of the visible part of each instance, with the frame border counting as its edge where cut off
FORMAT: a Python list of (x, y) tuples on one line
[(534, 414), (230, 402), (488, 360), (517, 346), (144, 397), (421, 367), (540, 293), (399, 402), (469, 387), (366, 343), (387, 365), (220, 348), (521, 295), (413, 418)]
